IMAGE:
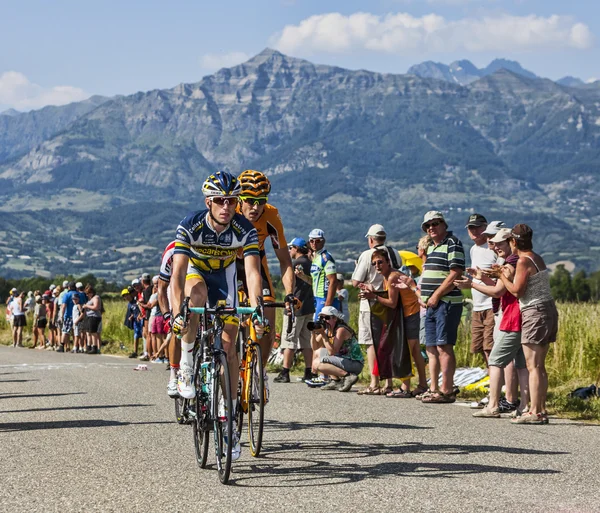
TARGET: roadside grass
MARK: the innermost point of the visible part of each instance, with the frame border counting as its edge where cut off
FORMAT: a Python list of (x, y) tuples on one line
[(573, 361)]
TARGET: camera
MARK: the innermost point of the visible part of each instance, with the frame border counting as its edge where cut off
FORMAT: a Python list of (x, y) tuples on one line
[(317, 325)]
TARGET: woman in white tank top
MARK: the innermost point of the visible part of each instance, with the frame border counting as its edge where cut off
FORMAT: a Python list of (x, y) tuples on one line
[(531, 285)]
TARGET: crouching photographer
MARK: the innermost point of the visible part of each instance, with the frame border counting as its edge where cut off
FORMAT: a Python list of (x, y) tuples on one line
[(340, 355)]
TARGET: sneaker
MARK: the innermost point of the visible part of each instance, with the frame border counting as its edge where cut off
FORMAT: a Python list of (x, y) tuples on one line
[(172, 389), (144, 358), (316, 382), (60, 349), (488, 413), (347, 383), (185, 378), (506, 407), (158, 360), (282, 377), (528, 418), (334, 384), (133, 355)]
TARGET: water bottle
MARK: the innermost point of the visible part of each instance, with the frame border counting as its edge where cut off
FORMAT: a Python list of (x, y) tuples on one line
[(206, 376)]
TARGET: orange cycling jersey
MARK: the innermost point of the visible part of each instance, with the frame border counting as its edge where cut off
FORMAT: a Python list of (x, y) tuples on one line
[(269, 225)]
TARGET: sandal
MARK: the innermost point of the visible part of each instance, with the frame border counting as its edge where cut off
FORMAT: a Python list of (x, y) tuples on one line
[(386, 390), (427, 393), (400, 394), (439, 398), (418, 391), (370, 391)]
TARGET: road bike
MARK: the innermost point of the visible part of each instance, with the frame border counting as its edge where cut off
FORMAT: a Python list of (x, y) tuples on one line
[(212, 408)]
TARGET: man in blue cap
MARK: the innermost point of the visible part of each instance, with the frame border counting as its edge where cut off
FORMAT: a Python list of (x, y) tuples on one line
[(299, 336)]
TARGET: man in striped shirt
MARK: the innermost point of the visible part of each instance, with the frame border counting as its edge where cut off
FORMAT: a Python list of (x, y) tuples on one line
[(445, 263)]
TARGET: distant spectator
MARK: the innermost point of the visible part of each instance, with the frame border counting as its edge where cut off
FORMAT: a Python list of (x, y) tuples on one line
[(342, 295), (445, 263), (93, 310), (39, 322), (19, 320), (132, 318), (29, 302), (299, 337), (66, 314), (78, 316)]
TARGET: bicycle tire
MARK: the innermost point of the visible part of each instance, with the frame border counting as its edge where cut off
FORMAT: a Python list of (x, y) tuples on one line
[(200, 434), (256, 401), (221, 388)]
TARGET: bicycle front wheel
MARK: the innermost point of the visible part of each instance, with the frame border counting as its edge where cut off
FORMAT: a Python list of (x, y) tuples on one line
[(223, 417), (200, 428), (256, 400)]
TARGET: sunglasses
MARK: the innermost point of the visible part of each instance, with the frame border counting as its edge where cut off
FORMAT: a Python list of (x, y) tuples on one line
[(325, 317), (432, 225), (378, 262), (226, 200), (254, 201), (316, 241)]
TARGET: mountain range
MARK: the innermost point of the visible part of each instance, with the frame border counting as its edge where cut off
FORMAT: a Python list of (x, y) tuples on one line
[(100, 185)]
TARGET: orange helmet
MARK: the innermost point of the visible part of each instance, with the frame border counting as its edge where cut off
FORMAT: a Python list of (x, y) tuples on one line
[(254, 183)]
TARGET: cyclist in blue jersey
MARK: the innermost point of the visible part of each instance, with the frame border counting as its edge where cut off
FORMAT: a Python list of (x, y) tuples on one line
[(204, 269)]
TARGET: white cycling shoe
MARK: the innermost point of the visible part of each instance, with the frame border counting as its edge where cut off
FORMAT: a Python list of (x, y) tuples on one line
[(172, 388), (185, 382)]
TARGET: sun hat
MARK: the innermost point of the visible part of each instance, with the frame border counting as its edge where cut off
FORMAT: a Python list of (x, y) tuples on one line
[(124, 292), (78, 285), (135, 282), (52, 287), (430, 216), (331, 311), (65, 284), (476, 220), (494, 227), (145, 276), (316, 234), (502, 235), (409, 258), (376, 230)]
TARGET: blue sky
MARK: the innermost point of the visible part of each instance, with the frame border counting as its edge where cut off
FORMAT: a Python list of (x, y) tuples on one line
[(60, 51)]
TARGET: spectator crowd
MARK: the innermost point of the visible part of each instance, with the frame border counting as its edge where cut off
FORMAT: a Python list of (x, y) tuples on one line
[(408, 300)]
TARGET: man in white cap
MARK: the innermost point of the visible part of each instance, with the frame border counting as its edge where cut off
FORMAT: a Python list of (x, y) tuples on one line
[(364, 272), (445, 263)]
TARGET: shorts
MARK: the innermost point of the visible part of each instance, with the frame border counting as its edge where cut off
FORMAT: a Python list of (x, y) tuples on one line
[(19, 321), (539, 323), (41, 323), (365, 336), (350, 366), (422, 337), (441, 324), (412, 325), (158, 325), (482, 331), (507, 347), (320, 303), (52, 325), (138, 328), (93, 324), (268, 290), (299, 337), (77, 329), (67, 325)]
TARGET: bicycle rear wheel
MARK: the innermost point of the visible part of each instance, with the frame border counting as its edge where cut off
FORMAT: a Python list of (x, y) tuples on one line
[(256, 400), (223, 417)]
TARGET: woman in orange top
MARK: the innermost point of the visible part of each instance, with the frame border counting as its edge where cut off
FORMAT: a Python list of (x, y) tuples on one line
[(403, 288)]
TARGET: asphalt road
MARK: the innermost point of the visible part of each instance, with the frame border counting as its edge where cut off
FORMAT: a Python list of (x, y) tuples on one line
[(87, 433)]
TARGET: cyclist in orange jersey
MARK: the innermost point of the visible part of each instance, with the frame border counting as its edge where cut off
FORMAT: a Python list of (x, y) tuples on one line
[(265, 218)]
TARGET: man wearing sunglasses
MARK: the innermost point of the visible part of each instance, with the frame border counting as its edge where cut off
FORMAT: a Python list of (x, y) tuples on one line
[(206, 246), (445, 263), (265, 218)]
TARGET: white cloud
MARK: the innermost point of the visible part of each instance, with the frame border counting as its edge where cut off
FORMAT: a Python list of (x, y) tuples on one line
[(212, 61), (403, 33), (18, 92)]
